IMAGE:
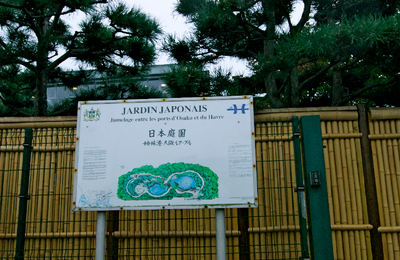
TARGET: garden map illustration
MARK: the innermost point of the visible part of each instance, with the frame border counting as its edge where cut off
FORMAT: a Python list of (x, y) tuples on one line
[(168, 181)]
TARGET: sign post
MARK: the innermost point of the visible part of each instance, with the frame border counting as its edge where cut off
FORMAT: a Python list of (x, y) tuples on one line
[(166, 154), (221, 238), (100, 235)]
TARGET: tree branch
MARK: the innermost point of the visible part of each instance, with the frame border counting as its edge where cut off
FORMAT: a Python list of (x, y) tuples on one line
[(99, 2), (362, 90), (57, 18), (305, 16), (73, 53), (31, 22), (246, 23), (50, 15), (14, 60), (60, 111), (60, 60), (20, 7), (323, 70), (5, 102), (2, 43), (284, 83), (351, 64)]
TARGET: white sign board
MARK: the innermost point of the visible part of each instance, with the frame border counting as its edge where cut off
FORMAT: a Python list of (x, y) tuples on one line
[(166, 153)]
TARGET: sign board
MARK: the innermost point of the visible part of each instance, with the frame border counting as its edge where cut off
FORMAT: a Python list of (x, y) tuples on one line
[(165, 154)]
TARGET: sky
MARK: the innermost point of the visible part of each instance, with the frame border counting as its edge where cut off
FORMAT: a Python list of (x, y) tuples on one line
[(173, 23), (163, 12)]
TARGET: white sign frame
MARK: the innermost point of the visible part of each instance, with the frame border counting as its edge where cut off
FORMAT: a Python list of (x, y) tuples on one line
[(194, 153)]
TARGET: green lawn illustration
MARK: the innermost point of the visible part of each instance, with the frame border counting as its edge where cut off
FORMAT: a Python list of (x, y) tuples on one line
[(168, 181)]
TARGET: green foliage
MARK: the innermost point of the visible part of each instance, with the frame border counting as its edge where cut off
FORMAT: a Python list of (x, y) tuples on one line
[(345, 54), (23, 99), (240, 29), (187, 80), (351, 38), (365, 56), (36, 39), (191, 80)]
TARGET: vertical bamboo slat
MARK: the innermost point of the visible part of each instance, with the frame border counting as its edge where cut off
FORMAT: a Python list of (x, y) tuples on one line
[(353, 184), (395, 218), (325, 129), (385, 217), (374, 145), (335, 192), (361, 197)]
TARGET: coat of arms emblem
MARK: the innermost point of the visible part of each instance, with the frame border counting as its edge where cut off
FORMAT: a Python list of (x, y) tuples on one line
[(91, 115)]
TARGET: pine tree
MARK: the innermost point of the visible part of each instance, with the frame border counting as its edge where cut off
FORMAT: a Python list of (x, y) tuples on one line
[(36, 39), (347, 53), (341, 63), (245, 29), (371, 25)]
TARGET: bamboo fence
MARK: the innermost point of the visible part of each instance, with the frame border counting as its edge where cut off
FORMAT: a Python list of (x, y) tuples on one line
[(270, 231), (52, 230), (384, 135), (345, 184), (347, 204)]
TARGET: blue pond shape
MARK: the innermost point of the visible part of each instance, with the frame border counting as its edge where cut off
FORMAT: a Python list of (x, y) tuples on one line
[(184, 182), (156, 189)]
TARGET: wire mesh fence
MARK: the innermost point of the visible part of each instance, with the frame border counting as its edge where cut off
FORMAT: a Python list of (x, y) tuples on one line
[(274, 225), (54, 231)]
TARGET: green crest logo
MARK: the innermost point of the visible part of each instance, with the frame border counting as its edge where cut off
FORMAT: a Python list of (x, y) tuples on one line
[(91, 115)]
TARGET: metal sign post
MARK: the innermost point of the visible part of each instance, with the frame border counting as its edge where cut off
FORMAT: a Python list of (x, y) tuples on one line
[(221, 238), (100, 235)]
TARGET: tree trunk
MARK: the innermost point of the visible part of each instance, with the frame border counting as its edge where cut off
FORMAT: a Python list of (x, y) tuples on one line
[(42, 66), (40, 103), (295, 90), (271, 89), (269, 53), (42, 79), (337, 88)]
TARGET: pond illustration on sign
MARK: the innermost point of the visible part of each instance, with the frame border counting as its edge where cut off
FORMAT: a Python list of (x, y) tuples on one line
[(95, 198), (168, 181)]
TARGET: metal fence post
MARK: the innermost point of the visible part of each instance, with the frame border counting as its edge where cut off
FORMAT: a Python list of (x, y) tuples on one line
[(316, 189), (23, 195), (112, 220), (300, 189), (244, 239)]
